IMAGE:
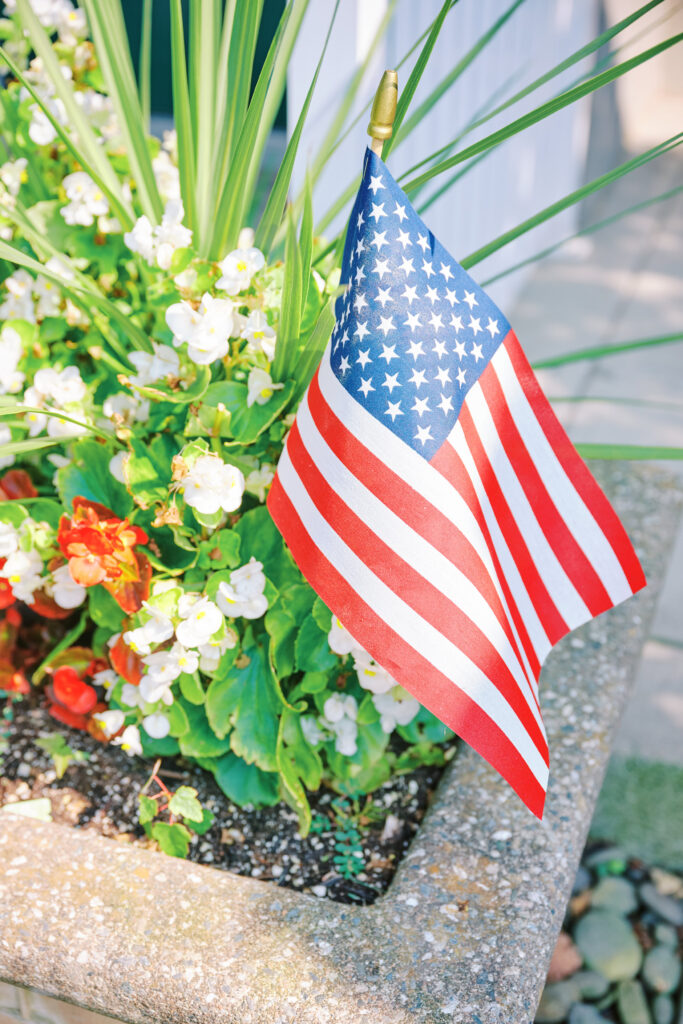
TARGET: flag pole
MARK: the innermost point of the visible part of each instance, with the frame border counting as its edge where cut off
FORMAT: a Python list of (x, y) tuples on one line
[(383, 111)]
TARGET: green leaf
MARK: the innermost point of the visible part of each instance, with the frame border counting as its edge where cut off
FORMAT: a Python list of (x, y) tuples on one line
[(61, 753), (322, 615), (244, 703), (191, 688), (148, 809), (290, 306), (172, 839), (104, 610), (89, 477), (221, 551), (246, 783), (185, 804), (312, 650), (245, 424), (147, 469), (179, 395), (200, 740), (178, 719), (262, 540), (299, 765), (282, 630), (166, 747), (200, 827)]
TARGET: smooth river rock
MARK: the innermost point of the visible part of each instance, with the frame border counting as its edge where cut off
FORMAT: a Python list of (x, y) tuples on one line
[(633, 1008), (662, 969), (608, 945), (668, 908), (617, 894)]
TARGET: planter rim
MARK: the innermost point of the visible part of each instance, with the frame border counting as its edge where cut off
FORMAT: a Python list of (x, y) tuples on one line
[(464, 932)]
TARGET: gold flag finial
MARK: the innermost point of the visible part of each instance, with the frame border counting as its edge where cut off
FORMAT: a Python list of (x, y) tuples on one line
[(383, 111)]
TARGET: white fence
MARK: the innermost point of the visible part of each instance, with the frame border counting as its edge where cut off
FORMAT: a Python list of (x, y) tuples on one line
[(528, 172)]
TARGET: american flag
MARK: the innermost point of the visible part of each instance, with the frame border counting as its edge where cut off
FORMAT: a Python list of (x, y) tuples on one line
[(431, 498)]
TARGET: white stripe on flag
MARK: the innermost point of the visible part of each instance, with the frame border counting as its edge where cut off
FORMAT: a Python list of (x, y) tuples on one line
[(405, 621), (413, 549), (564, 594), (537, 634), (584, 527)]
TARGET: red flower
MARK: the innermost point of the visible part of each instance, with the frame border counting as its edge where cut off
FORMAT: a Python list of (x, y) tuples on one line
[(126, 662), (100, 548), (69, 690), (6, 593), (16, 483)]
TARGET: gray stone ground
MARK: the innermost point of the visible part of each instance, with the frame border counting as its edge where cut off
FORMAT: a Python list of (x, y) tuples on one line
[(621, 284)]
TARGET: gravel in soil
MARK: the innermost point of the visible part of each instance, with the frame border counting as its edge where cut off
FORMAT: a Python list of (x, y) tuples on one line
[(101, 793)]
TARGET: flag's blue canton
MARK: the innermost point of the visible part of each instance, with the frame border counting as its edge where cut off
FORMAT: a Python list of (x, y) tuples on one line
[(413, 332)]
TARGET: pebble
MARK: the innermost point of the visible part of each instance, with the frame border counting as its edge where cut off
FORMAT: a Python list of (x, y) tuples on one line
[(607, 855), (662, 969), (608, 945), (581, 1013), (663, 1010), (667, 935), (667, 883), (666, 906), (615, 893), (555, 1002), (591, 984), (582, 880), (633, 1008)]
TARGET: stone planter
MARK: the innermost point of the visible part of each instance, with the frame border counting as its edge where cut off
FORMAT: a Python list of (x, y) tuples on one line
[(464, 934)]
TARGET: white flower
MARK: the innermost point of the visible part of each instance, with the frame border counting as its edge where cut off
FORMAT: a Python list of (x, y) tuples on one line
[(205, 330), (19, 302), (65, 428), (157, 244), (166, 175), (87, 199), (156, 726), (346, 735), (171, 235), (259, 334), (201, 619), (340, 640), (395, 708), (259, 480), (156, 630), (9, 540), (116, 466), (260, 387), (64, 387), (5, 438), (11, 352), (371, 676), (311, 730), (187, 661), (41, 130), (162, 667), (110, 722), (153, 366), (125, 408), (48, 296), (238, 268), (106, 678), (13, 175), (65, 591), (60, 268), (244, 596), (212, 484), (141, 239), (129, 740), (22, 571), (152, 689), (210, 654), (71, 25), (340, 706), (130, 695)]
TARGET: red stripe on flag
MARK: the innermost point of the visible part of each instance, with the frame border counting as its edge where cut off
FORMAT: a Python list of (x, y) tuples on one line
[(416, 512), (434, 690), (449, 464), (552, 621), (427, 600), (555, 529), (575, 468)]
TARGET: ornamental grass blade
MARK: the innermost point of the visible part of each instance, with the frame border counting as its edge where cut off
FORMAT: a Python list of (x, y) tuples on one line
[(145, 63), (290, 309), (313, 349), (234, 201), (628, 452), (406, 94), (449, 80), (306, 241), (569, 200), (565, 99), (34, 444), (113, 53), (272, 215), (590, 230), (204, 39), (183, 116), (600, 351), (57, 414)]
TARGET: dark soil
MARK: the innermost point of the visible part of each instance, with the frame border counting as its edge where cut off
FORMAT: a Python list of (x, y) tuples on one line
[(101, 793)]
